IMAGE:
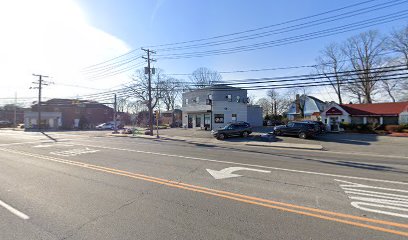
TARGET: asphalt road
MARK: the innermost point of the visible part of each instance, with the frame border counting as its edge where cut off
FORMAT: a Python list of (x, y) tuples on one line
[(91, 186)]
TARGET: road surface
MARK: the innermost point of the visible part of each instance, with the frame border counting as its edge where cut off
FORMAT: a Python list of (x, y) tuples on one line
[(85, 185)]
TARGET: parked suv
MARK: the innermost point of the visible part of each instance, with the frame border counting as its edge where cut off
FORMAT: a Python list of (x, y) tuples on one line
[(242, 129), (321, 125), (300, 129)]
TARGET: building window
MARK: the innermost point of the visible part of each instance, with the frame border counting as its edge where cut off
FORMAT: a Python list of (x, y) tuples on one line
[(342, 120), (218, 118), (229, 98), (186, 101), (234, 117), (238, 98)]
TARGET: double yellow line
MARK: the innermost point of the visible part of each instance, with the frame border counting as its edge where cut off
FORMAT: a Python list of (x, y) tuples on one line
[(378, 225)]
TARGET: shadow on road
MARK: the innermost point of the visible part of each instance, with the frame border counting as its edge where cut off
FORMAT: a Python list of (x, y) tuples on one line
[(299, 157), (353, 139), (364, 166), (48, 136)]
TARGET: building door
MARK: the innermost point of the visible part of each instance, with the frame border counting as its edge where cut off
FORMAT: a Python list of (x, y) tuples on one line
[(207, 121), (334, 124), (190, 121), (198, 120)]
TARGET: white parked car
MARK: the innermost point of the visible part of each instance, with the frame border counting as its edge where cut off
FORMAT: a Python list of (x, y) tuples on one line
[(105, 126)]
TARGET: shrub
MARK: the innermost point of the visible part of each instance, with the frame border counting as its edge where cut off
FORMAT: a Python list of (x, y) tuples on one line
[(397, 128), (360, 128)]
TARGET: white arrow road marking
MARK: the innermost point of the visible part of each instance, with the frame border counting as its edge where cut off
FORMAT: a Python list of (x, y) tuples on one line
[(228, 172), (242, 164), (14, 211), (388, 201), (74, 152)]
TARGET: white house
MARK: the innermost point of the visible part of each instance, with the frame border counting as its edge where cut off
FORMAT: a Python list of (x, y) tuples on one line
[(374, 113), (216, 106), (306, 107)]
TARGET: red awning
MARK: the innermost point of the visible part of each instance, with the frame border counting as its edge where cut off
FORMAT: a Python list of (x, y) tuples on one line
[(334, 111)]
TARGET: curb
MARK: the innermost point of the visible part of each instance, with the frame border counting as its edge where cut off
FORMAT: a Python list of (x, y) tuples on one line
[(217, 142), (289, 145)]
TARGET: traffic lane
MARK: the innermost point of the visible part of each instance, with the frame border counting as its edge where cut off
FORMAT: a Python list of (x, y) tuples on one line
[(178, 214), (344, 159), (163, 212), (60, 198), (361, 166), (323, 192), (17, 229)]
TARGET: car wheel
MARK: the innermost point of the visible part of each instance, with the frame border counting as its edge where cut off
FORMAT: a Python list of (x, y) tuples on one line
[(245, 134), (277, 133), (302, 135), (221, 136)]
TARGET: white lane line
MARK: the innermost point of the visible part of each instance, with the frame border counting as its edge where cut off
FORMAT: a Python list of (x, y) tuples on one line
[(14, 211), (350, 185), (365, 154), (22, 143), (250, 165), (379, 201)]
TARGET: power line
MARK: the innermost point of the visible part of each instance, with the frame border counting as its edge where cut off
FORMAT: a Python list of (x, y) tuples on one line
[(275, 68), (265, 27), (111, 66), (109, 60), (113, 63), (114, 73), (300, 26), (290, 40)]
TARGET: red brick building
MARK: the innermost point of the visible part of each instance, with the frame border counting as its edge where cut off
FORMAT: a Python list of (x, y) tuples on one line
[(71, 114), (8, 115)]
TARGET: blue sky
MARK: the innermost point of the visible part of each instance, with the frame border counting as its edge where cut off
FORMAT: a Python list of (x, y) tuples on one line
[(79, 33), (141, 23)]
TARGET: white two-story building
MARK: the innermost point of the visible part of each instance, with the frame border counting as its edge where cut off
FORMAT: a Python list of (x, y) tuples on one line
[(216, 106)]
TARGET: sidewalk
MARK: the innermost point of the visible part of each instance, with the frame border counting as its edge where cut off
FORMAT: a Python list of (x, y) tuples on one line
[(350, 143), (233, 141)]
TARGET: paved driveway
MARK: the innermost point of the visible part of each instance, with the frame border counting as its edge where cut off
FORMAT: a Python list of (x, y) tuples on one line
[(341, 142)]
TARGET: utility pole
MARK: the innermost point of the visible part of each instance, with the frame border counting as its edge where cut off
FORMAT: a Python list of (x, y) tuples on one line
[(15, 110), (148, 70), (115, 127), (40, 85)]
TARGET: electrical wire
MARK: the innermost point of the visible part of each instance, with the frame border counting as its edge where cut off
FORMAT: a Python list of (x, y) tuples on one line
[(301, 26), (265, 27), (285, 41)]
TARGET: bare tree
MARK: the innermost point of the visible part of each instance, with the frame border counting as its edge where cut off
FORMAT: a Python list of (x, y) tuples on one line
[(365, 53), (204, 77), (331, 63), (172, 89), (274, 100), (265, 104), (140, 87), (135, 106), (122, 102), (399, 43)]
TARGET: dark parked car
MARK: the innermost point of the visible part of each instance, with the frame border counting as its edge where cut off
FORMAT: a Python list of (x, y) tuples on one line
[(300, 129), (5, 124), (242, 129), (321, 125)]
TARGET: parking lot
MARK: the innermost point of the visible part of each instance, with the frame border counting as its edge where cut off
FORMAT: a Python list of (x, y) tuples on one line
[(340, 142)]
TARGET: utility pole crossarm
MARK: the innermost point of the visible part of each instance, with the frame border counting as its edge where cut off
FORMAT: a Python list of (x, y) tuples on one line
[(40, 83)]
